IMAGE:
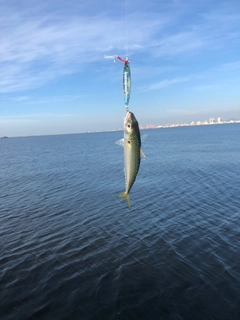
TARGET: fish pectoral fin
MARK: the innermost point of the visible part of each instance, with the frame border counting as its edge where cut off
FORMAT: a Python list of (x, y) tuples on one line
[(120, 142), (125, 195), (142, 154)]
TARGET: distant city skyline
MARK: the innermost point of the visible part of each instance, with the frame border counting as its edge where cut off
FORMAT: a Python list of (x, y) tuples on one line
[(211, 121)]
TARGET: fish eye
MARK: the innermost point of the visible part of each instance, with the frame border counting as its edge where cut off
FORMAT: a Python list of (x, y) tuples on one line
[(129, 141), (129, 126)]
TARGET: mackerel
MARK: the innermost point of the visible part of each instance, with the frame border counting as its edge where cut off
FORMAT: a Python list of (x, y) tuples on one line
[(132, 153)]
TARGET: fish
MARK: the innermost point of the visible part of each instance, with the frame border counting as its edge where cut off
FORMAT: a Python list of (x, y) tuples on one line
[(132, 152), (126, 82)]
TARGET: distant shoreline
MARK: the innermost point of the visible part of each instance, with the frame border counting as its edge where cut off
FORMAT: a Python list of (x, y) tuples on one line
[(196, 124), (141, 128)]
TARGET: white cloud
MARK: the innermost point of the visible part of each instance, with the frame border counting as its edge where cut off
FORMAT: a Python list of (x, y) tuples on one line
[(36, 50), (230, 66), (47, 116), (37, 47), (20, 98), (183, 112), (206, 87), (168, 82), (177, 43), (27, 100)]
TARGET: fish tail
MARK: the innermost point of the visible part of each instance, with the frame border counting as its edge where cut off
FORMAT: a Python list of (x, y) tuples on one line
[(126, 195)]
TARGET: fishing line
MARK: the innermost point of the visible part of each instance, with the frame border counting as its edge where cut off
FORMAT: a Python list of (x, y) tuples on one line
[(126, 68), (126, 27)]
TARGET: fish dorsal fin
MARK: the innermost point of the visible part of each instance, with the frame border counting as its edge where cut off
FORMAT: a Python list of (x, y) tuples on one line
[(143, 136), (142, 154)]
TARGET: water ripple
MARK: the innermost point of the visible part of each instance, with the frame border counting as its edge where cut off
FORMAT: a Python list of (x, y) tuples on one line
[(70, 247)]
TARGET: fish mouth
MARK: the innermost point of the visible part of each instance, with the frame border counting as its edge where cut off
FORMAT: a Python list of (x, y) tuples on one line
[(130, 116), (130, 121)]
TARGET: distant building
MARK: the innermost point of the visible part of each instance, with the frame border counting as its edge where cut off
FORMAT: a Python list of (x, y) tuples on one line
[(219, 120), (211, 120)]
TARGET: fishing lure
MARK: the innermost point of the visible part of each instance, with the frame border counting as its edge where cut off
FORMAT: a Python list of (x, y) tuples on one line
[(126, 84), (126, 78)]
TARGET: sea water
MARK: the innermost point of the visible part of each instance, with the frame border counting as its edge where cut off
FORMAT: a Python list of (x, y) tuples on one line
[(71, 249)]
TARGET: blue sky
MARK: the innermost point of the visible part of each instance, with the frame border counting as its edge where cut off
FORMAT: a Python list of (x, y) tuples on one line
[(185, 63)]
